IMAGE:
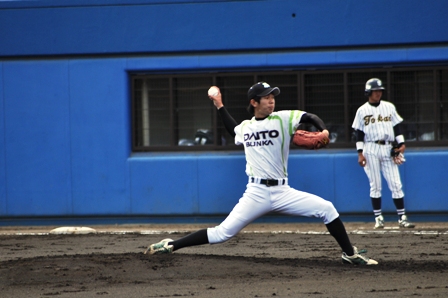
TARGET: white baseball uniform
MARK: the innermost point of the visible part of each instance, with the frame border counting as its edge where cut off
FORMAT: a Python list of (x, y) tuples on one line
[(377, 123), (266, 144)]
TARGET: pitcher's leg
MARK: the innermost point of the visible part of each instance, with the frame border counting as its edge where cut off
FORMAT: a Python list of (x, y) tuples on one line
[(299, 203), (293, 202), (254, 203)]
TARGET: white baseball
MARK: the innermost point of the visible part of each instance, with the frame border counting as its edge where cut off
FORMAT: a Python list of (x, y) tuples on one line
[(213, 91)]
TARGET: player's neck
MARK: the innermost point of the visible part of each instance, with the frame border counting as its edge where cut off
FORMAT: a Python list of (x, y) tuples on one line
[(259, 115), (375, 104)]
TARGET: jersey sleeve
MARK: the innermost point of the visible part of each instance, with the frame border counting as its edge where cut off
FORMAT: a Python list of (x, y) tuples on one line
[(239, 135), (357, 121), (292, 118), (396, 118)]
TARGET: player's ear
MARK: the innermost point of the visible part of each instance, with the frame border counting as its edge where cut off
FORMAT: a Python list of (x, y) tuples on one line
[(253, 102)]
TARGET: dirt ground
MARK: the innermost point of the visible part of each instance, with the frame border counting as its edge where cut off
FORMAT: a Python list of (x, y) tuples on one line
[(264, 260)]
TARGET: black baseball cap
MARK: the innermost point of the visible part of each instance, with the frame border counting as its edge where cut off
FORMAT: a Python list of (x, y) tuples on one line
[(261, 89)]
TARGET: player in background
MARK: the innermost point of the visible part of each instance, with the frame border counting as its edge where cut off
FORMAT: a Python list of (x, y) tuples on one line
[(266, 139), (377, 126)]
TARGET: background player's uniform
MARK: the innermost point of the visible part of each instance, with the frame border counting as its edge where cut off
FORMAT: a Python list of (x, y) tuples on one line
[(377, 124), (263, 141)]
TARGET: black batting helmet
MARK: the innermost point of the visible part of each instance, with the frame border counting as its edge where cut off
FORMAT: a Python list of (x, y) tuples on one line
[(373, 84)]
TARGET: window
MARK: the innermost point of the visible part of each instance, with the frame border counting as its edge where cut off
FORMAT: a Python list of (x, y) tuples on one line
[(324, 96), (413, 94), (173, 112)]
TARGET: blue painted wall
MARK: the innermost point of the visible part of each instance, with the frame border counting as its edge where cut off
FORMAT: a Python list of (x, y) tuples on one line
[(154, 26), (65, 111), (213, 183)]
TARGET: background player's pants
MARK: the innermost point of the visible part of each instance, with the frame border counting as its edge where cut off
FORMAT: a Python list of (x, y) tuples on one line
[(379, 161), (259, 200)]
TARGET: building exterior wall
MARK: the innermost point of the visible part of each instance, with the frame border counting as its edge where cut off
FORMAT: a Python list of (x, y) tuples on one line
[(65, 99)]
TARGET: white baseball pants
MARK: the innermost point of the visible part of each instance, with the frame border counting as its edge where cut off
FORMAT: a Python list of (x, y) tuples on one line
[(260, 199)]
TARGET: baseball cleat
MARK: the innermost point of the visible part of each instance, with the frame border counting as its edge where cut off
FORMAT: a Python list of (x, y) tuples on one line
[(405, 223), (379, 222), (357, 258), (159, 248)]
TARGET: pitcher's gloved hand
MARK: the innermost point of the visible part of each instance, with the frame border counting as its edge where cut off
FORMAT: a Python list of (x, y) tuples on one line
[(310, 140)]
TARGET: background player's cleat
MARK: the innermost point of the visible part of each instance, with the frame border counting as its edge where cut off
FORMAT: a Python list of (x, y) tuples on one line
[(161, 247), (405, 223), (379, 222), (357, 258)]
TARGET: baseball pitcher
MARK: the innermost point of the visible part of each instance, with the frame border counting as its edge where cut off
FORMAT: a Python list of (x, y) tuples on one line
[(266, 139)]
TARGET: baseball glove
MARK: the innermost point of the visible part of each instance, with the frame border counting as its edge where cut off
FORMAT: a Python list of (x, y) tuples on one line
[(394, 153), (397, 156), (310, 140)]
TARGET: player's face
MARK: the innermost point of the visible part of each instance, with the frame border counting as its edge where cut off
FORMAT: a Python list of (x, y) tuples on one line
[(376, 96), (266, 106)]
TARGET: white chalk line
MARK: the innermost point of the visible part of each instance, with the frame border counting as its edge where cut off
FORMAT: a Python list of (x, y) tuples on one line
[(159, 232)]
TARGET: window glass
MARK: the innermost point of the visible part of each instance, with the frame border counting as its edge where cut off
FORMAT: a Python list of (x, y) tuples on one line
[(442, 88), (413, 95), (151, 112), (174, 113), (193, 118), (324, 96)]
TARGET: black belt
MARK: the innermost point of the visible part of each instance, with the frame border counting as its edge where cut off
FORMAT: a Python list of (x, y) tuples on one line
[(269, 182), (381, 142)]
